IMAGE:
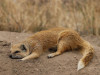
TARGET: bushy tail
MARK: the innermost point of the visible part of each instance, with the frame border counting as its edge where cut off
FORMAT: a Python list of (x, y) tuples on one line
[(87, 52)]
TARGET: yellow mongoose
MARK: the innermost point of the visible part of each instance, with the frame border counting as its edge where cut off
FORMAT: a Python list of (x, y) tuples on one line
[(62, 38)]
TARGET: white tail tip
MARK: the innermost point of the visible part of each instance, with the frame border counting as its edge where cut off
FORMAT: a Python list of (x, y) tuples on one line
[(80, 65)]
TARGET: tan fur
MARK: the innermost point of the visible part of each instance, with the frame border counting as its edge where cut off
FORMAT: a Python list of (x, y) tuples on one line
[(64, 39)]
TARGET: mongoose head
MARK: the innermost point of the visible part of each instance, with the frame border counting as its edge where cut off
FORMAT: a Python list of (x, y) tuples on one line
[(19, 51)]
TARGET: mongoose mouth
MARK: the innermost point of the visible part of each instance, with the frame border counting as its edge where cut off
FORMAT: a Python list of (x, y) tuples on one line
[(15, 57)]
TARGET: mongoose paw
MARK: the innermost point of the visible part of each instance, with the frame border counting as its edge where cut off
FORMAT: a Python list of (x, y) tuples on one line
[(50, 56)]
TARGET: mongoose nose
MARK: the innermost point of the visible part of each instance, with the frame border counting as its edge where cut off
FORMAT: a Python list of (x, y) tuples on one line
[(10, 56)]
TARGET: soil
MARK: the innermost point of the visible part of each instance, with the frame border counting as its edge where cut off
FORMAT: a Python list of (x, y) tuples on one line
[(65, 64)]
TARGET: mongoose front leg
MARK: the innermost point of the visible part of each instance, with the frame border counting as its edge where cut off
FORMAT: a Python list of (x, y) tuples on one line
[(31, 56)]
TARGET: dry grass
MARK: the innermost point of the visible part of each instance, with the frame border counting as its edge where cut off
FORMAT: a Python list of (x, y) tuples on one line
[(36, 15)]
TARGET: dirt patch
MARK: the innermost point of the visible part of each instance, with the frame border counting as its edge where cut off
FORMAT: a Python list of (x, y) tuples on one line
[(65, 64)]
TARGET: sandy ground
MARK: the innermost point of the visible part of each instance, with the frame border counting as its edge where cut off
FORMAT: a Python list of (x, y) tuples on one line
[(65, 64)]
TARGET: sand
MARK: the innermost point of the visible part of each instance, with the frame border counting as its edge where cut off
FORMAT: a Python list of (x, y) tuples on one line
[(65, 64)]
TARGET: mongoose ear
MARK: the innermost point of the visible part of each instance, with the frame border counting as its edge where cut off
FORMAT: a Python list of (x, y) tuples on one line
[(23, 48)]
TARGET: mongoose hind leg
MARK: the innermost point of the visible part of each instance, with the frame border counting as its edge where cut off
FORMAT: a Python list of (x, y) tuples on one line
[(60, 49)]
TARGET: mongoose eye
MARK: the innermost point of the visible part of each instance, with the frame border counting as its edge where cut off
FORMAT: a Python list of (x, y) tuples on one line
[(17, 51)]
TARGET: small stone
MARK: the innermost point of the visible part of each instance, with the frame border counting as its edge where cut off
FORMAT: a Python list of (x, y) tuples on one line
[(74, 56)]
